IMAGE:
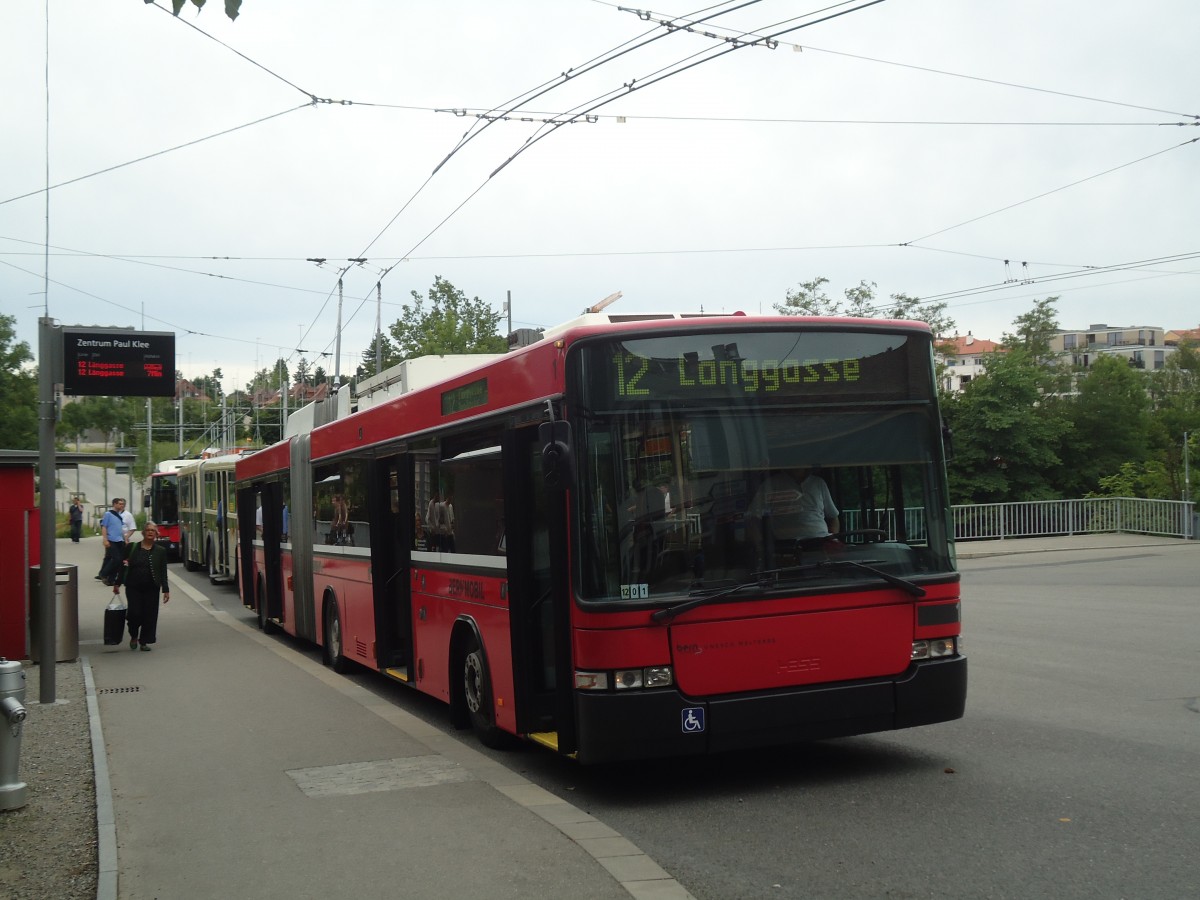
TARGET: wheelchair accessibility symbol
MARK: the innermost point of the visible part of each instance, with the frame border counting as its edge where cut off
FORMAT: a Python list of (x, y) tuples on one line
[(693, 719)]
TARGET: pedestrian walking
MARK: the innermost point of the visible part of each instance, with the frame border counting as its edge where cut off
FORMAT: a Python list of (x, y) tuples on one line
[(144, 574), (75, 516), (112, 529)]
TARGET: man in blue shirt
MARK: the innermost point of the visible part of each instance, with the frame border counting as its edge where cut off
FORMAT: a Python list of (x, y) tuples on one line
[(112, 529)]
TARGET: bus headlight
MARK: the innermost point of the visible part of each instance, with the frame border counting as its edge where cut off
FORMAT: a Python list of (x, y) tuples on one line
[(659, 676), (591, 681), (628, 678), (935, 649), (625, 679)]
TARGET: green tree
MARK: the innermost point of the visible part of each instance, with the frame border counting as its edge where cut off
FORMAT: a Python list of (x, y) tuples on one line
[(72, 421), (451, 324), (272, 378), (810, 299), (210, 385), (303, 373), (1110, 416), (1034, 330), (1148, 479), (388, 351), (1175, 411), (1006, 440), (18, 390)]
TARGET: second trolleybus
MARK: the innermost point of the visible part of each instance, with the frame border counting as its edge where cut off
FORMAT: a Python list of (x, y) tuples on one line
[(585, 542), (208, 516)]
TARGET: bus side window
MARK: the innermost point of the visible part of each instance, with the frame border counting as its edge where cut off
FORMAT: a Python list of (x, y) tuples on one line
[(471, 497)]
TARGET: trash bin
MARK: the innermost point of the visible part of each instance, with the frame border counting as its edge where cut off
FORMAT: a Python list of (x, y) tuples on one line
[(13, 793), (66, 613)]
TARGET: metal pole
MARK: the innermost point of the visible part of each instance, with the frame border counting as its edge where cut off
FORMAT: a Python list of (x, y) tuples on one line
[(337, 359), (1188, 511), (47, 580), (378, 327), (283, 398)]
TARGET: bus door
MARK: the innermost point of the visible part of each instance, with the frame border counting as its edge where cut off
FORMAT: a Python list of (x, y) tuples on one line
[(391, 505), (538, 592), (247, 501), (271, 498)]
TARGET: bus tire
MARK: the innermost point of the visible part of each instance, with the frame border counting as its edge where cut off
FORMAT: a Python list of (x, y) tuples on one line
[(185, 553), (265, 625), (477, 695), (211, 560), (335, 654)]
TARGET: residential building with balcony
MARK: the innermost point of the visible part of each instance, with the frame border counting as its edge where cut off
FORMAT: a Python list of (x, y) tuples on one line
[(1142, 346)]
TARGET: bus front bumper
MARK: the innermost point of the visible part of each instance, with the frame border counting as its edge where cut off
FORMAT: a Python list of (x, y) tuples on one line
[(666, 723)]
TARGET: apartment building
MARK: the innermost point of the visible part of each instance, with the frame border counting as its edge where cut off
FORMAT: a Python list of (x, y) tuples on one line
[(1142, 346), (963, 358)]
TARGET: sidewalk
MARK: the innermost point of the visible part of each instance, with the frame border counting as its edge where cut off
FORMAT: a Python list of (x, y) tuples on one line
[(232, 766)]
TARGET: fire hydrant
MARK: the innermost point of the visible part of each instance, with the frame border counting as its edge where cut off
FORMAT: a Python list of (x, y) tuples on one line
[(13, 793)]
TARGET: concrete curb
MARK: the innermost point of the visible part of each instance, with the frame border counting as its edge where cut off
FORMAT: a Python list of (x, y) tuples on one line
[(106, 820)]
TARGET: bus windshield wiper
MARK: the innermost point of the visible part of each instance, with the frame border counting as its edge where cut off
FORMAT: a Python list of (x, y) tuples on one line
[(903, 583), (671, 612)]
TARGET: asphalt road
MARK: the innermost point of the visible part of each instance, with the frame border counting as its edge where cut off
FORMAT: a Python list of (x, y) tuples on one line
[(1075, 773)]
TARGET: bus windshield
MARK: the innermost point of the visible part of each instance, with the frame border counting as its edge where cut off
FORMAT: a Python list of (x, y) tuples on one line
[(781, 460)]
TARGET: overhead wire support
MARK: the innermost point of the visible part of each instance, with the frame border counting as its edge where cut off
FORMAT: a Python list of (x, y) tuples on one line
[(131, 162), (1048, 193), (678, 69), (592, 64)]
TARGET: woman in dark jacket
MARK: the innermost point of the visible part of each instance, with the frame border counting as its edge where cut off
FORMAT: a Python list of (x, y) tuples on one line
[(144, 574)]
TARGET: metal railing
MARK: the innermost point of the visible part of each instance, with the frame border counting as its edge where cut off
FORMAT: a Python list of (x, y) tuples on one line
[(1096, 515), (1049, 518)]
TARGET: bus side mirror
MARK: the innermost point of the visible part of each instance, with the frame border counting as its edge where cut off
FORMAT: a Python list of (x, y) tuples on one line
[(948, 442), (558, 463)]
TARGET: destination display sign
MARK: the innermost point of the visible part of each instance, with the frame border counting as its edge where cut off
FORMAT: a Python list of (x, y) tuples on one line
[(468, 396), (118, 362), (763, 367)]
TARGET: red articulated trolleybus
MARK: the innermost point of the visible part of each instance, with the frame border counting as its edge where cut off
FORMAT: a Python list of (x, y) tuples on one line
[(598, 541)]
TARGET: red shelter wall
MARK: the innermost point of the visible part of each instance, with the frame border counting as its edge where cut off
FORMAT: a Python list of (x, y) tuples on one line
[(16, 556)]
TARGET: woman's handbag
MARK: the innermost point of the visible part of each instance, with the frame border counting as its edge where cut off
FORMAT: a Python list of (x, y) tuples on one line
[(114, 621)]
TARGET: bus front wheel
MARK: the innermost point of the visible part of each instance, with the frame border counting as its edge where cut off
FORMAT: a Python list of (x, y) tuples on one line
[(477, 693), (260, 607), (186, 552)]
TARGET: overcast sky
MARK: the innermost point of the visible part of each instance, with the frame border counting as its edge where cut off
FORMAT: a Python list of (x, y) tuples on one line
[(987, 154)]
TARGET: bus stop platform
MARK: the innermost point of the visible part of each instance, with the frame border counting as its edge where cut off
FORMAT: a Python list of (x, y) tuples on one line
[(228, 764)]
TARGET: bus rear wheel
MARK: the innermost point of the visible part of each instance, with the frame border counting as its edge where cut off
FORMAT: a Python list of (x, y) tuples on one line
[(335, 655), (477, 694)]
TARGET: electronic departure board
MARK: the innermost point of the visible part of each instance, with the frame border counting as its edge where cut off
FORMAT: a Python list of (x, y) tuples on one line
[(118, 362)]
